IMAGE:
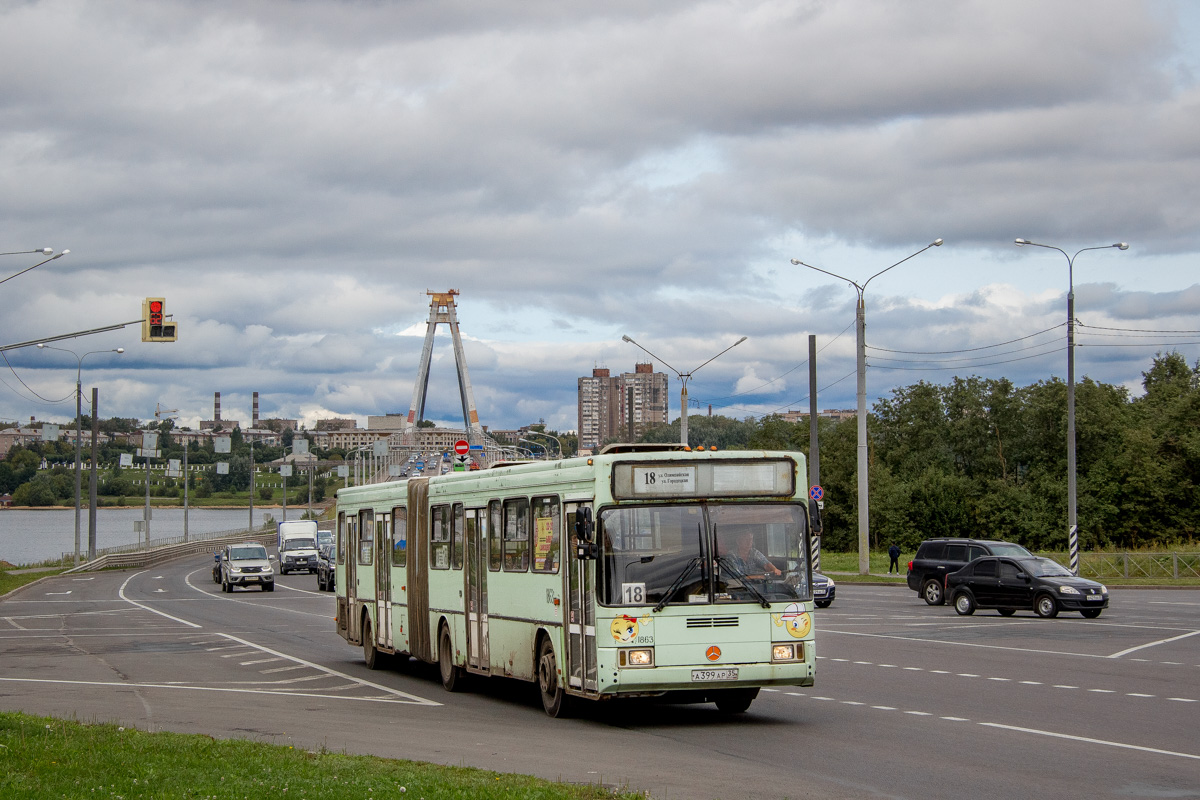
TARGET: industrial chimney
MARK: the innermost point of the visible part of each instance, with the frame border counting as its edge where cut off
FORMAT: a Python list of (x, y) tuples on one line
[(216, 407), (254, 413)]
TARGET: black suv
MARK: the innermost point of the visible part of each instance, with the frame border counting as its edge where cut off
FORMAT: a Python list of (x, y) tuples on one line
[(937, 558)]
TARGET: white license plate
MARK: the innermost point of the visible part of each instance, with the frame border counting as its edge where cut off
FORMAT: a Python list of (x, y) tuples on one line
[(715, 674), (1095, 597)]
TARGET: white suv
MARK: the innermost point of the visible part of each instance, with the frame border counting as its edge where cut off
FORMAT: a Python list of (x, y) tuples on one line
[(246, 564)]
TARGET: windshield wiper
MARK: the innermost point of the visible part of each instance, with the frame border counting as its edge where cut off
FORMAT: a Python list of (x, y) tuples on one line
[(745, 579), (691, 565)]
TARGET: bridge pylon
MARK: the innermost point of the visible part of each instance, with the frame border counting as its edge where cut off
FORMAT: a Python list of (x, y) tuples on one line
[(442, 309)]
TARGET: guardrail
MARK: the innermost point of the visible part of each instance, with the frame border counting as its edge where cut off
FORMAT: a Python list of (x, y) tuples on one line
[(1139, 565), (166, 549)]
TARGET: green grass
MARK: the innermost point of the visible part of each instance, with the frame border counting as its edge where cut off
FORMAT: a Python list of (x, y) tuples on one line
[(45, 757), (8, 581)]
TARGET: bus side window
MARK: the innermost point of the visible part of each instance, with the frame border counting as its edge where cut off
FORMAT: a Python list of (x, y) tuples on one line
[(439, 537), (516, 535), (400, 536), (341, 538), (495, 529), (366, 542), (457, 552), (547, 533)]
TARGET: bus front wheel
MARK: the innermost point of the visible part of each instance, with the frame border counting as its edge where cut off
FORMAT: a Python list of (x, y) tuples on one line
[(371, 655), (735, 701), (554, 698)]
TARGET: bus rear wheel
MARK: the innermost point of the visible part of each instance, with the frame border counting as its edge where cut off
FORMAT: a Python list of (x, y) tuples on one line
[(735, 701), (452, 676), (554, 697)]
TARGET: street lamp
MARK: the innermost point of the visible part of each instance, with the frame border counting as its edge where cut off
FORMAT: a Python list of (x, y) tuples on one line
[(545, 450), (550, 436), (79, 427), (684, 377), (1072, 526), (860, 326), (46, 251)]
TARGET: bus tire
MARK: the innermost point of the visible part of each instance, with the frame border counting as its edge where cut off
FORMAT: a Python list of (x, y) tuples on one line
[(371, 655), (451, 674), (554, 697), (735, 701)]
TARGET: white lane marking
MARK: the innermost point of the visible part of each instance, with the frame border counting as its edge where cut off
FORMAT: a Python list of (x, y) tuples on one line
[(282, 669), (1089, 740), (231, 599), (919, 713), (888, 666), (401, 699), (258, 661), (121, 594), (327, 670), (1137, 694), (237, 655), (893, 637), (51, 594), (1182, 699), (1152, 644), (940, 671), (999, 679), (1102, 691), (914, 669), (955, 719), (853, 703), (226, 647), (822, 698), (77, 580), (1064, 686), (1032, 683), (885, 708), (967, 675)]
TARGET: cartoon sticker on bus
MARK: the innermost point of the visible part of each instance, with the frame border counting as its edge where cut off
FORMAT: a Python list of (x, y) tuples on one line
[(624, 629), (795, 620)]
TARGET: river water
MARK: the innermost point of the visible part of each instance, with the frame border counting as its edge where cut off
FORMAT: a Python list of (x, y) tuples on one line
[(34, 535)]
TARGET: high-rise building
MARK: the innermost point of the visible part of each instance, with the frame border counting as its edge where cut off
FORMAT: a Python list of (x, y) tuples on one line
[(621, 407)]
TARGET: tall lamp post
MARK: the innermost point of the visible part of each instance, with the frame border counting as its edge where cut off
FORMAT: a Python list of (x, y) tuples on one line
[(1072, 506), (79, 428), (684, 377), (45, 251), (545, 450), (860, 327)]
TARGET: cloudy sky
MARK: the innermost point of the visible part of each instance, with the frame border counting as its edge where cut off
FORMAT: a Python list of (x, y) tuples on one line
[(293, 178)]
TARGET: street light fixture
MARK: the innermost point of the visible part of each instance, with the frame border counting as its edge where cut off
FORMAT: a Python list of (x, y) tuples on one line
[(1072, 506), (79, 428), (860, 326), (550, 436), (545, 450), (684, 377)]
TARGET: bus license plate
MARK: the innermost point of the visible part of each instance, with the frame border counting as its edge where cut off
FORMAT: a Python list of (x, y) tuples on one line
[(715, 674)]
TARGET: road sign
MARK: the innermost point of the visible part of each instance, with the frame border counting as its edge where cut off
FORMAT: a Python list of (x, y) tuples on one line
[(476, 447), (816, 493), (462, 447)]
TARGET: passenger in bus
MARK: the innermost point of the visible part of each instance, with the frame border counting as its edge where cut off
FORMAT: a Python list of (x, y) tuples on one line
[(745, 557)]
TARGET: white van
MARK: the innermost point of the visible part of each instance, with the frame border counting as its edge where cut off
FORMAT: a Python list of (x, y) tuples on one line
[(297, 546)]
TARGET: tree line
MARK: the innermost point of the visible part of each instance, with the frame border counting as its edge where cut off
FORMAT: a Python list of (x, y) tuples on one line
[(985, 458)]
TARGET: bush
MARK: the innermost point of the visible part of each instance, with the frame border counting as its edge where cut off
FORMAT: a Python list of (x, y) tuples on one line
[(265, 493)]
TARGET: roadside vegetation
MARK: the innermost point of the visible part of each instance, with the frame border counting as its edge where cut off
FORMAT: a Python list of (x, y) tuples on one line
[(42, 757)]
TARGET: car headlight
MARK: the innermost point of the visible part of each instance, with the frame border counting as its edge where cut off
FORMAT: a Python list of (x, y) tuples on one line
[(1068, 590), (831, 583), (1103, 590)]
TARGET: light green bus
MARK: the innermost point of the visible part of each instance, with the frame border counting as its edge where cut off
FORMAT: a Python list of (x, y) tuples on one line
[(642, 571)]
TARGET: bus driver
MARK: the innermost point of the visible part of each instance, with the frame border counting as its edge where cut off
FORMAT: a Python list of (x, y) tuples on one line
[(746, 558)]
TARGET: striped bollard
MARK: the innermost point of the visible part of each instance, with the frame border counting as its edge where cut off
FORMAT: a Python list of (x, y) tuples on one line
[(1073, 545), (816, 553)]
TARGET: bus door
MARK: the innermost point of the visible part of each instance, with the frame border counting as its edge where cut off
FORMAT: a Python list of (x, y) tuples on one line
[(477, 595), (383, 572), (348, 551), (579, 611)]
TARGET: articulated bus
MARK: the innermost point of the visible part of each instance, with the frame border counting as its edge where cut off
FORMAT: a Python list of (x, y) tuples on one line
[(641, 571)]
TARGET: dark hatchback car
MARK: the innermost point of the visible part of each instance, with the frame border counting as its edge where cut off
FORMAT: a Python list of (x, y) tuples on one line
[(1014, 584), (823, 590), (937, 558), (326, 568)]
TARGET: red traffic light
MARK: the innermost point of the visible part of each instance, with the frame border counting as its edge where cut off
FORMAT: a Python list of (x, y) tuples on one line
[(156, 312)]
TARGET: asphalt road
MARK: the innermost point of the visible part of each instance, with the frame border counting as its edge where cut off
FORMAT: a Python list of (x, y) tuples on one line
[(910, 700)]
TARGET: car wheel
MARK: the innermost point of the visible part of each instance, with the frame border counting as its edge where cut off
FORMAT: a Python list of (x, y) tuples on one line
[(823, 603), (1090, 613), (226, 586), (554, 697), (932, 592), (1045, 606), (450, 673), (964, 604), (1006, 612), (216, 576), (735, 701), (320, 583)]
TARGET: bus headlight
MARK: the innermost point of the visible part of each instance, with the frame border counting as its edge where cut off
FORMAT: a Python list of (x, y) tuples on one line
[(793, 651), (640, 657)]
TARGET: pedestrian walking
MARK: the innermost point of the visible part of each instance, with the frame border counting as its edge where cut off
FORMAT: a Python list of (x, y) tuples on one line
[(894, 555)]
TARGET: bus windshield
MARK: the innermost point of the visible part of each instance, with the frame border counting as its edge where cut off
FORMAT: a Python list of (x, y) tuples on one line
[(699, 553)]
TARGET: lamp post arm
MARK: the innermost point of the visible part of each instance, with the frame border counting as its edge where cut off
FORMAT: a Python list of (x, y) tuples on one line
[(934, 243), (832, 274), (718, 355), (35, 266), (662, 361)]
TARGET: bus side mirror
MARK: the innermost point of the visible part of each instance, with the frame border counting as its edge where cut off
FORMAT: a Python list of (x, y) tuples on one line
[(814, 513), (585, 548)]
